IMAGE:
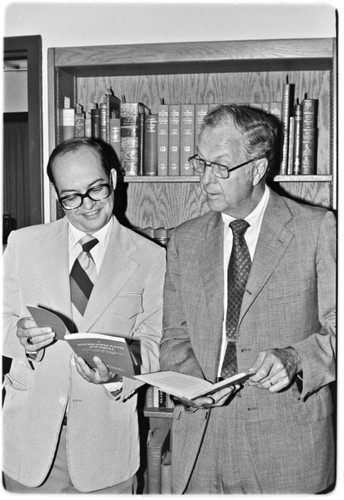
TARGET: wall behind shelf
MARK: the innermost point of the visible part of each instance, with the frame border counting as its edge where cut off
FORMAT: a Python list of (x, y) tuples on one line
[(63, 24)]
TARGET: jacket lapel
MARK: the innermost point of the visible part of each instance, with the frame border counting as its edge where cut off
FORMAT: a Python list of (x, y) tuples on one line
[(211, 266), (273, 241), (50, 262), (117, 267)]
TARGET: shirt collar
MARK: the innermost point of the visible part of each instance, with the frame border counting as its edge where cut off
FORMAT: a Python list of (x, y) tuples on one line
[(256, 215), (75, 234)]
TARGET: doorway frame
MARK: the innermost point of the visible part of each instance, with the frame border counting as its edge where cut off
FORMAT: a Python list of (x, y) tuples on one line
[(30, 48)]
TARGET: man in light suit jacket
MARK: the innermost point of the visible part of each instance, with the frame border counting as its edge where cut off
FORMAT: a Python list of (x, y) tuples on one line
[(67, 428), (275, 433)]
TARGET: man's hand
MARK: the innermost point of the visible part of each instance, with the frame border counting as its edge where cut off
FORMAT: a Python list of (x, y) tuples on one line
[(218, 398), (99, 375), (275, 369), (32, 337)]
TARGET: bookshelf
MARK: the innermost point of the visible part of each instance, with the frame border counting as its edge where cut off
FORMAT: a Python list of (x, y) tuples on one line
[(249, 71), (191, 72)]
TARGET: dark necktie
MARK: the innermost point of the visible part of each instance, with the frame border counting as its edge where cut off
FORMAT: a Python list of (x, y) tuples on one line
[(238, 270), (83, 276)]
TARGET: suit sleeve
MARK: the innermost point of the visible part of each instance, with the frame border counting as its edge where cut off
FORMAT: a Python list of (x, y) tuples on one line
[(12, 302), (317, 352), (176, 351)]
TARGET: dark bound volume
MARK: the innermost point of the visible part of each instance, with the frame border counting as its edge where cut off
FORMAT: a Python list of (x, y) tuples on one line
[(130, 136), (115, 135), (287, 100), (95, 122), (297, 139), (150, 164), (187, 137), (79, 128), (174, 140), (308, 137), (163, 139)]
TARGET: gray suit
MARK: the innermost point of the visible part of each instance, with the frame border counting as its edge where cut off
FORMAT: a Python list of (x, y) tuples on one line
[(282, 442)]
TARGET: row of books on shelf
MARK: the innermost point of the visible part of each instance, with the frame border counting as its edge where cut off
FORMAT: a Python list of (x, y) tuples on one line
[(299, 133), (159, 144), (158, 400)]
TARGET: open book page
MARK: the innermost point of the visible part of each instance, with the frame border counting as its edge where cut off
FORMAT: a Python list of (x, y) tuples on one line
[(187, 386)]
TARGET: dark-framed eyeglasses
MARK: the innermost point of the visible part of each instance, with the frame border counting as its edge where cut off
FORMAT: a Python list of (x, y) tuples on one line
[(96, 193), (222, 171)]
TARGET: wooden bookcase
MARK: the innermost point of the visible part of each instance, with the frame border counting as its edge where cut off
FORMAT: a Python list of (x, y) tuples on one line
[(198, 72), (192, 72)]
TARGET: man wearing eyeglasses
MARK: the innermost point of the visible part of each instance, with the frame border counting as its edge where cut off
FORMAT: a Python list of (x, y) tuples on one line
[(251, 287), (69, 428)]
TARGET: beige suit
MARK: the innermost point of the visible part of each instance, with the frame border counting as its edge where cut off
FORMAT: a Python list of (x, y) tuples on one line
[(103, 441), (281, 442)]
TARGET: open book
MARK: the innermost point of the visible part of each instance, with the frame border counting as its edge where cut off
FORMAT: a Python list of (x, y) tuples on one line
[(187, 386), (115, 351)]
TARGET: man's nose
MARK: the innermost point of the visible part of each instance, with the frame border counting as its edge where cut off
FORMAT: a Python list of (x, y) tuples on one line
[(88, 203), (208, 175)]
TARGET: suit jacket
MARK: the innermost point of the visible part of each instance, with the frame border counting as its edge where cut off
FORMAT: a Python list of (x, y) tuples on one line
[(289, 301), (103, 440)]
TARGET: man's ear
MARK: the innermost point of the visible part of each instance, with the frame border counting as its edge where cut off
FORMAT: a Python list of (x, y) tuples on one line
[(113, 174), (259, 170)]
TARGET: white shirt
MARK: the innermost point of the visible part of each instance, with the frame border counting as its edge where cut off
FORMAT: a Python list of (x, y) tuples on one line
[(255, 219), (97, 252)]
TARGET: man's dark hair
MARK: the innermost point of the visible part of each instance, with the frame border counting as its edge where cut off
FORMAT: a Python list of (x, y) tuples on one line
[(106, 155), (260, 130)]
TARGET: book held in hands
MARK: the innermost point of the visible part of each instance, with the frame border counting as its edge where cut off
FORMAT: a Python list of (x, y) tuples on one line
[(115, 351), (188, 387)]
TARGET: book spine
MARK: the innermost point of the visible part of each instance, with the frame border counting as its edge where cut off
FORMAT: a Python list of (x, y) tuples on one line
[(88, 124), (79, 127), (142, 127), (163, 139), (297, 139), (68, 123), (115, 135), (286, 107), (174, 139), (290, 167), (149, 397), (113, 110), (95, 123), (130, 136), (150, 165), (187, 137), (308, 137), (103, 122)]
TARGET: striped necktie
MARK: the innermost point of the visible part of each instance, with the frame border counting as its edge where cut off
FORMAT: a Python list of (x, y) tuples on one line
[(83, 276), (238, 270)]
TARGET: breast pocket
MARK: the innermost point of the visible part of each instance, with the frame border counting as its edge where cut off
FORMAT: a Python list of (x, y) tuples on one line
[(123, 311)]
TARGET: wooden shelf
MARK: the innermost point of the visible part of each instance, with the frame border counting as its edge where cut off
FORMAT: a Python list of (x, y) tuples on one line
[(195, 178), (157, 412)]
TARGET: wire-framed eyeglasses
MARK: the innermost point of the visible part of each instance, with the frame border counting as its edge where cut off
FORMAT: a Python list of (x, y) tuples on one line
[(222, 171), (96, 193)]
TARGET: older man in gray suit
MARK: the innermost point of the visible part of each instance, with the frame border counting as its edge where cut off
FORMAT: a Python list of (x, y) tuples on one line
[(275, 434)]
